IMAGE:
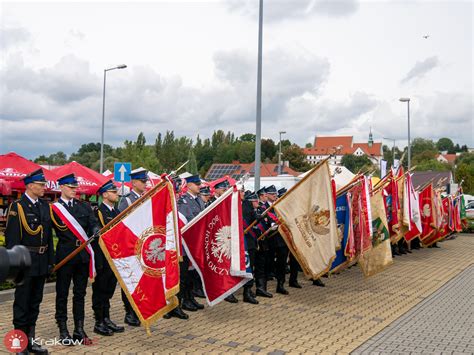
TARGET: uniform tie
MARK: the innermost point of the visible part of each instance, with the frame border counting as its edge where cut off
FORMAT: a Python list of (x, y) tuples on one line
[(69, 204)]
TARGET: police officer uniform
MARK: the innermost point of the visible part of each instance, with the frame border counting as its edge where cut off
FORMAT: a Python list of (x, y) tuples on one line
[(29, 224), (278, 250), (189, 206), (76, 269), (105, 282), (249, 215), (141, 175)]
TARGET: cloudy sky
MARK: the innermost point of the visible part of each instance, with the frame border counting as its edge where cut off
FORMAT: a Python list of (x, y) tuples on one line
[(329, 67)]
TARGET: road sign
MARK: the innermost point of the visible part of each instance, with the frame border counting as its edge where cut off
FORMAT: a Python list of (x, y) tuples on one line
[(122, 172)]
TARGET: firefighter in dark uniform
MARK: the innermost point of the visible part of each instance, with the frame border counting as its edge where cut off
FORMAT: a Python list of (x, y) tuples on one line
[(139, 179), (105, 282), (262, 252), (189, 205), (29, 224), (249, 215), (76, 269)]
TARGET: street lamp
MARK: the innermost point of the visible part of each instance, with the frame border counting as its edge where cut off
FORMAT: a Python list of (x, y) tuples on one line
[(279, 154), (258, 130), (121, 66), (407, 100)]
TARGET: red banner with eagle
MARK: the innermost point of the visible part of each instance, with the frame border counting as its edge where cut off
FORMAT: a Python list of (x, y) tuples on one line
[(214, 243), (141, 245)]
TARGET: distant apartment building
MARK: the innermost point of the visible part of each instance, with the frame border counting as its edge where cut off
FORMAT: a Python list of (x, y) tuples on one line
[(325, 146)]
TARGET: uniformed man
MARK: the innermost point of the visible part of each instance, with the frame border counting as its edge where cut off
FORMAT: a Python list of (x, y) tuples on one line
[(105, 282), (261, 254), (189, 205), (76, 269), (139, 179), (29, 224), (249, 215), (278, 249), (205, 194)]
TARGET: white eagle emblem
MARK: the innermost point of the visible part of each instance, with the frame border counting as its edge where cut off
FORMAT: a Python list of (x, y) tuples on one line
[(155, 251), (221, 246)]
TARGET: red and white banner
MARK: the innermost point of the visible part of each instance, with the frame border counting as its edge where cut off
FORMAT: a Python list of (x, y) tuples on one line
[(414, 209), (214, 243), (141, 245), (428, 218), (78, 231)]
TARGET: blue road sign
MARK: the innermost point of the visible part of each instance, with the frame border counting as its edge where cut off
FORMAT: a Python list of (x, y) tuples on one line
[(122, 172)]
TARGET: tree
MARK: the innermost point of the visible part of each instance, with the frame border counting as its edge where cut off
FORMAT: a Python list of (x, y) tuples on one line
[(355, 163), (420, 145), (445, 144), (268, 149), (466, 172), (192, 163), (295, 156), (247, 137), (308, 145), (431, 165)]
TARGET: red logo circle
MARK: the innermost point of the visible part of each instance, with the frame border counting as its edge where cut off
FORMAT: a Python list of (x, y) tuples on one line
[(15, 341), (153, 251)]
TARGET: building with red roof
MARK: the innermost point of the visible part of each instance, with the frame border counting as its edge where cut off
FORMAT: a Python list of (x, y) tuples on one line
[(324, 146)]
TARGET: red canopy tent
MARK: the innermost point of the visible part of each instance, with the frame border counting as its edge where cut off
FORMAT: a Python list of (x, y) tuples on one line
[(13, 168), (88, 179)]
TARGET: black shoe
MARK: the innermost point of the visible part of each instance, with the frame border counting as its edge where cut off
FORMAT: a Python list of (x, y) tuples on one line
[(319, 283), (64, 336), (248, 298), (294, 284), (408, 251), (281, 288), (435, 245), (231, 299), (199, 293), (79, 334), (34, 347), (188, 306), (262, 293), (113, 327), (177, 313), (102, 329), (131, 319), (196, 303)]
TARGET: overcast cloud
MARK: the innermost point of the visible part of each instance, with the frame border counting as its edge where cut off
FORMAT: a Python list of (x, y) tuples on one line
[(329, 67)]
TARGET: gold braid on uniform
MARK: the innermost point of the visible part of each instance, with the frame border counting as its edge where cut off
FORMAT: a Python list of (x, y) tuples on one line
[(25, 225), (101, 218), (61, 227)]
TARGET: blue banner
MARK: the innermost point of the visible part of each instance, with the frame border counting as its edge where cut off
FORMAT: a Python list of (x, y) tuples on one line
[(342, 215)]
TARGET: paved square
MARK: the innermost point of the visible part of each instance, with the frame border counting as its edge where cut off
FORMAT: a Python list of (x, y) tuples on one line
[(339, 318)]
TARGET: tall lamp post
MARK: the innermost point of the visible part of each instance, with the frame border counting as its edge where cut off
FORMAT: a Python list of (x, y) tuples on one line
[(407, 100), (121, 66), (279, 154), (258, 131)]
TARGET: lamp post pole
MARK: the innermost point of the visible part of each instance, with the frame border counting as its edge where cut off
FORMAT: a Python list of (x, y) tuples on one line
[(279, 154), (407, 100), (122, 66), (258, 131)]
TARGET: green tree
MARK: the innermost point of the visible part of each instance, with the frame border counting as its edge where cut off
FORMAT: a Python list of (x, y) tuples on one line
[(247, 137), (308, 145), (296, 158), (246, 152), (355, 163), (431, 165), (465, 172), (445, 144), (420, 145), (192, 163), (268, 149)]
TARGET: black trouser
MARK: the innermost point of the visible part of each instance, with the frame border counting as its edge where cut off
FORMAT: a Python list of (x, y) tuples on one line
[(251, 253), (78, 273), (294, 268), (281, 254), (103, 290), (260, 261), (185, 279), (28, 297)]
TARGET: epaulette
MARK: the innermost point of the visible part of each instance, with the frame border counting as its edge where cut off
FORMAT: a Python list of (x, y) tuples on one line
[(182, 199)]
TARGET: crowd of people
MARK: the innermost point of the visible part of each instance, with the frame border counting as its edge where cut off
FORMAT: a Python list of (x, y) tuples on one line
[(31, 221)]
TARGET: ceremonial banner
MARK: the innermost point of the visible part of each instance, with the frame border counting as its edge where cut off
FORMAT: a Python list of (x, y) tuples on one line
[(464, 222), (428, 223), (442, 229), (457, 214), (380, 256), (141, 246), (344, 231), (392, 207), (308, 219), (414, 206), (404, 210), (361, 217), (214, 242)]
